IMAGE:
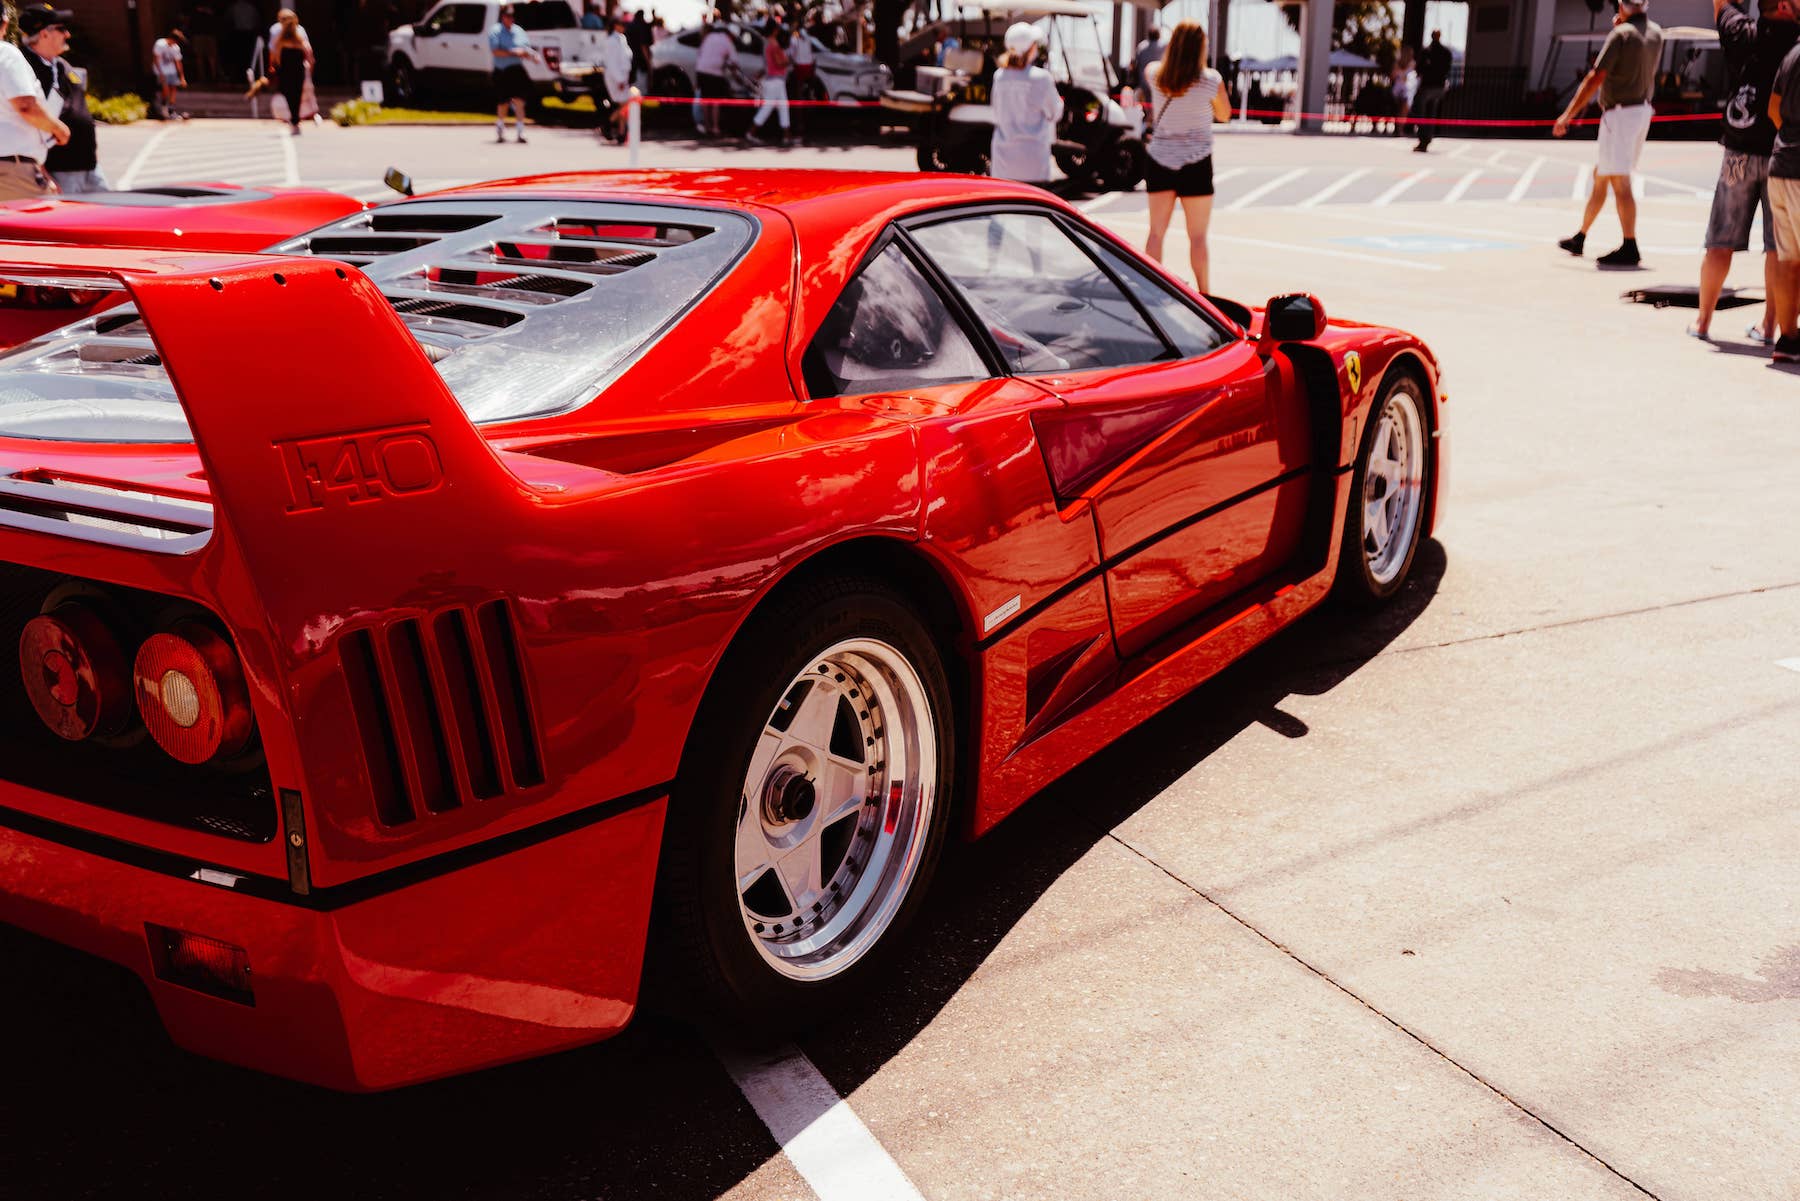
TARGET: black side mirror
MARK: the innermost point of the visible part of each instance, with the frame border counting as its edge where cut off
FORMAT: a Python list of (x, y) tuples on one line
[(1296, 317), (398, 180)]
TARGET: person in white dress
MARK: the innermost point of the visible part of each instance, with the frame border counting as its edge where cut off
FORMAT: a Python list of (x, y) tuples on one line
[(1026, 106)]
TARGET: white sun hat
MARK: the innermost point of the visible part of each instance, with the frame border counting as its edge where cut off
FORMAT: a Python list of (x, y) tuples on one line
[(1022, 37)]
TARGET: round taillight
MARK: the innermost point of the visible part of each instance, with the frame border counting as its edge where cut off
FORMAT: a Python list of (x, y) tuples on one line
[(75, 673), (191, 693)]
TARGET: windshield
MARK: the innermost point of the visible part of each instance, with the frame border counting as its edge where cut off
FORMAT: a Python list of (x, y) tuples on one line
[(526, 307), (544, 14)]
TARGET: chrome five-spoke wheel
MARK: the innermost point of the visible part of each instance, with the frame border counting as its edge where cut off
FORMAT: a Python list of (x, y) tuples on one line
[(1383, 528), (835, 809)]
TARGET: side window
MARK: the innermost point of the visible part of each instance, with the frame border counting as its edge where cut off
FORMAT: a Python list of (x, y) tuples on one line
[(749, 42), (888, 332), (1048, 305), (691, 39), (466, 18), (1181, 322), (437, 22)]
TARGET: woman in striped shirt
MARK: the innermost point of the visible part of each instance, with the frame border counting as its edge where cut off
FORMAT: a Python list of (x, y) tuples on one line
[(1186, 97)]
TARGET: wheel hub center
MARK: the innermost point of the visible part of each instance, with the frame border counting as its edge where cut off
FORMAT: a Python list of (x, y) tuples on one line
[(790, 797)]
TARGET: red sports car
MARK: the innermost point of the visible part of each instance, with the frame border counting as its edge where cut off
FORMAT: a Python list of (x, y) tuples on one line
[(416, 622), (182, 217)]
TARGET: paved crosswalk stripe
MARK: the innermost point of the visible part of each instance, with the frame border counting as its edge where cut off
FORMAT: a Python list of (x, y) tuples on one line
[(1462, 186), (1388, 196), (1524, 184), (821, 1135), (1330, 190), (1254, 194), (1584, 183), (143, 156)]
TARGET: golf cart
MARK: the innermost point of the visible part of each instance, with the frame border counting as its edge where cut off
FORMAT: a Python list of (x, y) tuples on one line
[(1689, 78), (1099, 143)]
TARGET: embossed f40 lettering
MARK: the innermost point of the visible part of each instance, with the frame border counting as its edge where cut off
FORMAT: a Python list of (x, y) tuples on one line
[(360, 466)]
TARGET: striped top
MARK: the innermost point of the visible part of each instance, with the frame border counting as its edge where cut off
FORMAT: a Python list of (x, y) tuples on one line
[(1183, 131)]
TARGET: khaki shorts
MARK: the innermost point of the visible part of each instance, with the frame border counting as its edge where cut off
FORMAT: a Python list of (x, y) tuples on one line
[(1623, 129), (1784, 206), (19, 180)]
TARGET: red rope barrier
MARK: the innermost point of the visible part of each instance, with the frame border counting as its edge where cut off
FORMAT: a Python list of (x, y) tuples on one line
[(1487, 122)]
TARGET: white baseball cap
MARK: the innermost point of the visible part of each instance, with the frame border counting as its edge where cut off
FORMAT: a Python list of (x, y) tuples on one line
[(1022, 37)]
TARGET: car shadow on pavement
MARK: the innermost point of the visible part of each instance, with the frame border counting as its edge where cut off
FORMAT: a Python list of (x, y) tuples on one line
[(99, 1105)]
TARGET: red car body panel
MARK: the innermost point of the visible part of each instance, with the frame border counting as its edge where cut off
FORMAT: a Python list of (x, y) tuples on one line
[(605, 557)]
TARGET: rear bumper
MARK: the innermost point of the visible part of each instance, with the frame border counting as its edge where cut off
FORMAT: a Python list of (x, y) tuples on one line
[(502, 958)]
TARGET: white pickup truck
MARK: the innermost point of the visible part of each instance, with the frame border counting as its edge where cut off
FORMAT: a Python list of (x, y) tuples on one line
[(446, 54)]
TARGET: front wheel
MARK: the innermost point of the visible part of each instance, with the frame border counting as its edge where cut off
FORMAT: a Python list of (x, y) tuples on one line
[(810, 809), (1387, 495), (402, 84)]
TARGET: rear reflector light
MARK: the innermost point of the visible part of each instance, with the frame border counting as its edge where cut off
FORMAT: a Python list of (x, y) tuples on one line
[(75, 672), (200, 963), (191, 692)]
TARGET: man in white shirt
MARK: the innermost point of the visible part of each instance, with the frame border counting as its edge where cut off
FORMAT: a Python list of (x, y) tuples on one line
[(28, 125)]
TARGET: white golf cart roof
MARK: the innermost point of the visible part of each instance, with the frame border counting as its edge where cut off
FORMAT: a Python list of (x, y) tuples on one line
[(1021, 10), (1670, 33)]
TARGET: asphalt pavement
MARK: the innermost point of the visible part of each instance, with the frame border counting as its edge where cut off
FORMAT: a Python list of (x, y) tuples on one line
[(1491, 894)]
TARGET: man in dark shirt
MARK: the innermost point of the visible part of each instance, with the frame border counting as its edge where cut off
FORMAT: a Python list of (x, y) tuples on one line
[(1753, 50), (1624, 76), (1434, 73), (1784, 203)]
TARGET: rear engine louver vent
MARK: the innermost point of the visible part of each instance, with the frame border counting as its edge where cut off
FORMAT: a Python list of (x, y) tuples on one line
[(443, 711)]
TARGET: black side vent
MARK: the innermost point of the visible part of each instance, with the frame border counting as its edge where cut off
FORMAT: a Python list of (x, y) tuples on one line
[(443, 711)]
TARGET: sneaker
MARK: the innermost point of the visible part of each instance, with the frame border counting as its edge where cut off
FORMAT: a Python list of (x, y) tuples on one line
[(520, 139), (499, 137), (1694, 331), (1625, 256), (752, 137), (1574, 245), (1787, 349), (1755, 334)]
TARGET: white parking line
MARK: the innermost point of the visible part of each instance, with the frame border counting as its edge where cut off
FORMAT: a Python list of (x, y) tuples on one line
[(1584, 183), (1299, 248), (143, 156), (1460, 149), (1388, 196), (818, 1131), (1524, 185), (1326, 193), (1257, 193), (1463, 185), (1790, 664), (290, 158)]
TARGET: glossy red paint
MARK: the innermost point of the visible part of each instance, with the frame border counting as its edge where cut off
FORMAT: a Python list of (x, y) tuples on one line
[(554, 595), (189, 217)]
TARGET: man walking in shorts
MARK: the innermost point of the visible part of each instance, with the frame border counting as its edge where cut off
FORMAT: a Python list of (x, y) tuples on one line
[(1784, 204), (510, 48), (1753, 50), (1624, 76)]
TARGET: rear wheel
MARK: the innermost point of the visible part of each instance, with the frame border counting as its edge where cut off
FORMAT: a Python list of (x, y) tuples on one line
[(1119, 167), (671, 83), (810, 810), (932, 157), (1387, 495)]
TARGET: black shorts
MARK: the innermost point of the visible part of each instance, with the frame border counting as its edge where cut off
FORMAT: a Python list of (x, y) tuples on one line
[(512, 83), (1195, 179), (713, 87)]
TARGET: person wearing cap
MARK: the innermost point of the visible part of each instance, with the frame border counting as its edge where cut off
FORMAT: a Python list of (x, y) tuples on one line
[(1026, 106), (510, 49), (74, 164), (29, 124), (615, 67), (1624, 76), (165, 55)]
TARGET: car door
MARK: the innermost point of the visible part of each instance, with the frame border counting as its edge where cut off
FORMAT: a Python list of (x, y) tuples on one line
[(1190, 460), (465, 59)]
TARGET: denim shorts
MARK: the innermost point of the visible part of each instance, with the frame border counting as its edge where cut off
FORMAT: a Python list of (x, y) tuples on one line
[(1742, 190)]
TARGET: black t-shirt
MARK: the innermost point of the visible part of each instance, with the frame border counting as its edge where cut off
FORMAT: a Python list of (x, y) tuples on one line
[(1434, 65), (1753, 50)]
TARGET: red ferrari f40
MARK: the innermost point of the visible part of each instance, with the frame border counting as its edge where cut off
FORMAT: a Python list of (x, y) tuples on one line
[(417, 621)]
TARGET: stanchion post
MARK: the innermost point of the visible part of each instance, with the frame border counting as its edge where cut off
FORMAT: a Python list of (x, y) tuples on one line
[(634, 125)]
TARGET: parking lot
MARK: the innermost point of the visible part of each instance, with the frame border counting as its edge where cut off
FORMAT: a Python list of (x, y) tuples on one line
[(1491, 894)]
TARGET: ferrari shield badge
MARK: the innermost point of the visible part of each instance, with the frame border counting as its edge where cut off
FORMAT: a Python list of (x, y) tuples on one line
[(1353, 369)]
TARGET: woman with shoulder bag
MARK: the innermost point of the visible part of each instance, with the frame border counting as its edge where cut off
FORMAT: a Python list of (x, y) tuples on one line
[(1186, 98)]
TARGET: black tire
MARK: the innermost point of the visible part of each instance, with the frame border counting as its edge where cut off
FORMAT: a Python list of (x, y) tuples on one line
[(1365, 578), (402, 84), (706, 962), (931, 156), (1072, 163), (671, 83), (1120, 166)]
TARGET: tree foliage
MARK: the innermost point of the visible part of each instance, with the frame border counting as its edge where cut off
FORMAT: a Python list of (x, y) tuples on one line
[(1365, 27)]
